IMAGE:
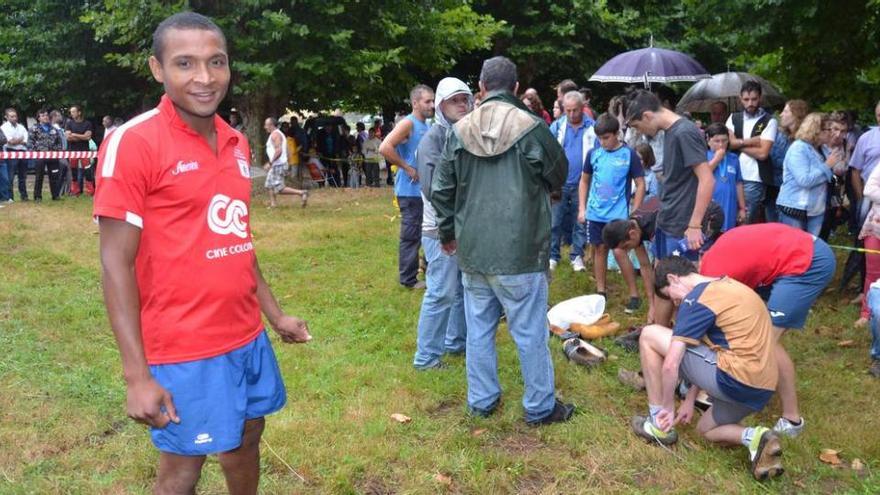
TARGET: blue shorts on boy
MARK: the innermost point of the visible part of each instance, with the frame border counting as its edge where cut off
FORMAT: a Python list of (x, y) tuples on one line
[(215, 396), (612, 173), (727, 176)]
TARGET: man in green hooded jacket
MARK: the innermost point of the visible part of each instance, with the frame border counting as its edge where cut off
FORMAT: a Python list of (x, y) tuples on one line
[(491, 192)]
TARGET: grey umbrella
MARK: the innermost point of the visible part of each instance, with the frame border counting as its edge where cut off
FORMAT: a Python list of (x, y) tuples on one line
[(725, 87)]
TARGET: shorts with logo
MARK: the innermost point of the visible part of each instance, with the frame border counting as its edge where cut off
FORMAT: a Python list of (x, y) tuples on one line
[(791, 297), (275, 177), (215, 396), (666, 245), (700, 367), (594, 232)]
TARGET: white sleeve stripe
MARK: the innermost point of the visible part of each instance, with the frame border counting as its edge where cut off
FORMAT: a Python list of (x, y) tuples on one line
[(134, 219), (116, 136)]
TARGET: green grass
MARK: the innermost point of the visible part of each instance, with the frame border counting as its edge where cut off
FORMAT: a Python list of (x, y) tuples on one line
[(64, 429)]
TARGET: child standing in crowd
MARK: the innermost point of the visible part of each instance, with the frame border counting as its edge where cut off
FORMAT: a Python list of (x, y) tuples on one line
[(652, 182), (372, 157), (604, 193), (728, 193)]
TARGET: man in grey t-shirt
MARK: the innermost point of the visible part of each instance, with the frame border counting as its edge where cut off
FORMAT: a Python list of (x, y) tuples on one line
[(687, 178), (687, 182)]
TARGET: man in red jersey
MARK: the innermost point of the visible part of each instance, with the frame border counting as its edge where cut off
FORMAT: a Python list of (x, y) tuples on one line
[(789, 268), (182, 285)]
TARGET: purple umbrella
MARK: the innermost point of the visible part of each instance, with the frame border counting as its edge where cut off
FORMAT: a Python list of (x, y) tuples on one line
[(647, 65)]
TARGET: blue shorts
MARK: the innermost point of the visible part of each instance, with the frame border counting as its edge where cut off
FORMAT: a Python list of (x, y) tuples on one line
[(791, 297), (666, 245), (594, 232), (215, 396)]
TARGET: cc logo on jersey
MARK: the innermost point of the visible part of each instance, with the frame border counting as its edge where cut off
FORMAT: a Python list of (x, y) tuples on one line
[(225, 216)]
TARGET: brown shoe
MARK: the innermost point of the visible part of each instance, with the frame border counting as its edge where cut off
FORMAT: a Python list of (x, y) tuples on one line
[(767, 458)]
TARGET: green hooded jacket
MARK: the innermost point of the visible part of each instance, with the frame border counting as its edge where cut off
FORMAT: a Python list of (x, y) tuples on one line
[(492, 188)]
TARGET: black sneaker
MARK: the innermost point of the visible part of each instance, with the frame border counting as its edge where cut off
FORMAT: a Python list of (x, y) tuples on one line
[(561, 413), (632, 306), (874, 370), (484, 413), (630, 340)]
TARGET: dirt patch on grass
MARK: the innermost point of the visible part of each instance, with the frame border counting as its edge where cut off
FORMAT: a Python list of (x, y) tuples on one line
[(519, 444), (373, 485), (534, 483)]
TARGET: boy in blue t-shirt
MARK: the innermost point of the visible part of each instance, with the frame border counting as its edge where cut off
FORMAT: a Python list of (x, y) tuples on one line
[(728, 191), (604, 193)]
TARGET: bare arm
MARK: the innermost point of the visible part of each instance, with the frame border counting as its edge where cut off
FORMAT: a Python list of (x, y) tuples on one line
[(145, 397), (640, 193), (704, 196), (277, 144), (647, 273), (388, 148), (668, 381), (583, 195), (741, 200), (290, 328), (759, 150)]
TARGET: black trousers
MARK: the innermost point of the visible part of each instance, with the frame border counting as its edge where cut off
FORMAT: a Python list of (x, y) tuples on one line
[(371, 170), (19, 167), (54, 170), (410, 238)]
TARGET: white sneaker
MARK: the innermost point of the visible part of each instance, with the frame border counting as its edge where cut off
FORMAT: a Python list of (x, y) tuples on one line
[(577, 264), (789, 429), (553, 264)]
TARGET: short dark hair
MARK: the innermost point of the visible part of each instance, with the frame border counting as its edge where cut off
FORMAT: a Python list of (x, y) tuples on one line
[(43, 110), (606, 123), (640, 101), (360, 126), (417, 92), (182, 20), (587, 92), (77, 107), (716, 129), (616, 232), (751, 86), (566, 85), (498, 73), (672, 265)]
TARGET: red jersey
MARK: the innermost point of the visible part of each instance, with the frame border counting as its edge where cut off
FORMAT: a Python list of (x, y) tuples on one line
[(195, 263), (756, 255)]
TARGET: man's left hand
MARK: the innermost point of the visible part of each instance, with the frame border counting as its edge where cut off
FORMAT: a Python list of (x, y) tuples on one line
[(694, 237), (450, 247), (293, 330)]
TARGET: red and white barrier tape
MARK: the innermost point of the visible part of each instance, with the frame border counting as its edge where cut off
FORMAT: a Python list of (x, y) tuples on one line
[(46, 155)]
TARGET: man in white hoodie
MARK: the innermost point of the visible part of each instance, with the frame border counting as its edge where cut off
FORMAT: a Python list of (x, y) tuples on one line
[(441, 320)]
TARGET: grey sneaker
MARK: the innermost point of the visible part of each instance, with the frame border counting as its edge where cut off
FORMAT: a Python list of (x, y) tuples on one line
[(553, 264), (789, 429), (644, 428), (577, 264)]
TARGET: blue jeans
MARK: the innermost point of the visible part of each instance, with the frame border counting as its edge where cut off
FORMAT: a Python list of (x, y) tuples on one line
[(524, 299), (564, 214), (874, 304), (812, 224), (441, 321), (754, 193), (4, 181)]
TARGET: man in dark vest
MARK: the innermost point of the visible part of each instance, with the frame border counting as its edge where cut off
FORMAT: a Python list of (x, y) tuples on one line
[(754, 150)]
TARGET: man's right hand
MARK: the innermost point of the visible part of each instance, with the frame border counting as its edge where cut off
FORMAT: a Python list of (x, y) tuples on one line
[(582, 217), (145, 400), (412, 173)]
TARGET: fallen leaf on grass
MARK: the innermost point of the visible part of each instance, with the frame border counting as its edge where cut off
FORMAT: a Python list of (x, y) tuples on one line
[(846, 343), (400, 418), (478, 432), (612, 357), (443, 479), (799, 484), (829, 456), (857, 465)]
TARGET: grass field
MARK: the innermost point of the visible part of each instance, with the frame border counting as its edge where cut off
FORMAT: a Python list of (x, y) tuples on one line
[(64, 428)]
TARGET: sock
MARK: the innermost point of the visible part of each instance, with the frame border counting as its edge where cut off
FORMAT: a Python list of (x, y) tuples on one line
[(747, 435), (653, 411), (795, 423)]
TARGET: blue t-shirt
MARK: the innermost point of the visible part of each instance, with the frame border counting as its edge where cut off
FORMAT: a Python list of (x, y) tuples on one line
[(573, 145), (403, 185), (610, 185), (727, 176)]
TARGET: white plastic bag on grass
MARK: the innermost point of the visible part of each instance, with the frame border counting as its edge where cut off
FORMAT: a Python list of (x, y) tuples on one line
[(582, 309)]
